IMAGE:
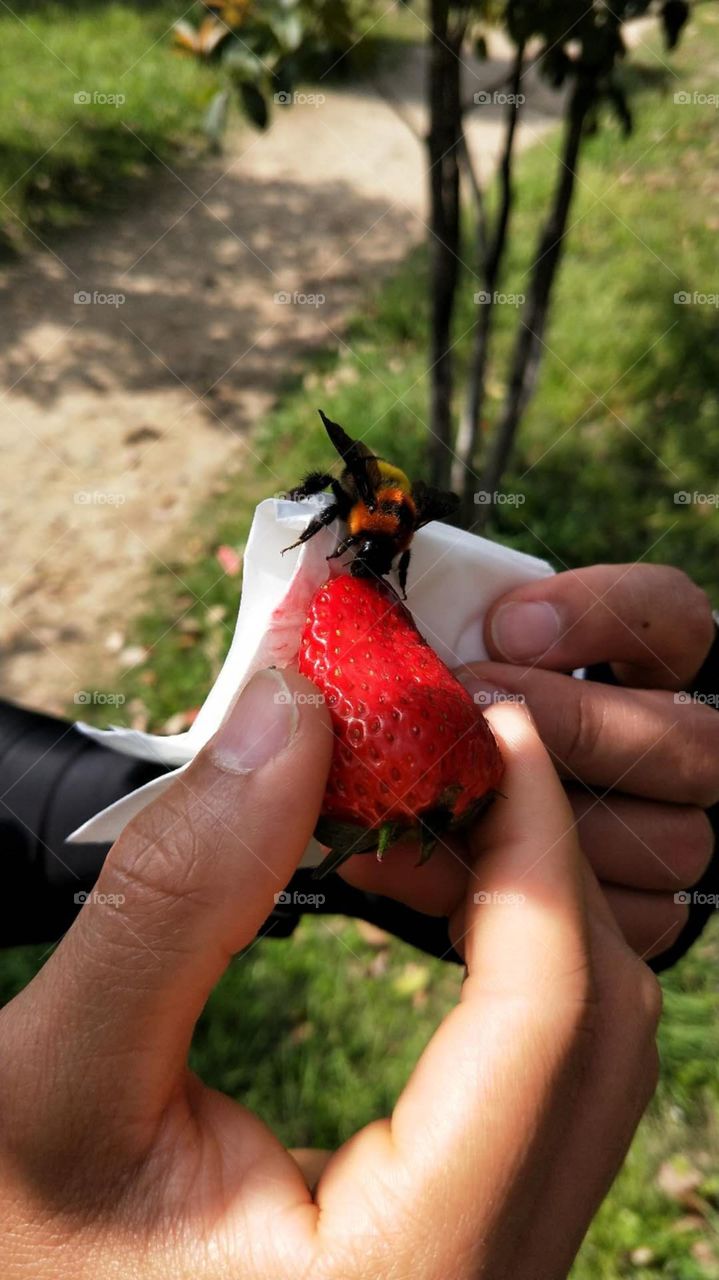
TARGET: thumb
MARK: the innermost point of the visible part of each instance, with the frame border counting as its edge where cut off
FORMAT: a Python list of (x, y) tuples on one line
[(188, 884)]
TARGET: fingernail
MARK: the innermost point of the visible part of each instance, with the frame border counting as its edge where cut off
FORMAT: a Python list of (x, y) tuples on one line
[(259, 725), (522, 631)]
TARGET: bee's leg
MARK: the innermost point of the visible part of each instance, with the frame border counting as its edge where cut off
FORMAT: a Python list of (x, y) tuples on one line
[(313, 483), (345, 545), (318, 522), (402, 568)]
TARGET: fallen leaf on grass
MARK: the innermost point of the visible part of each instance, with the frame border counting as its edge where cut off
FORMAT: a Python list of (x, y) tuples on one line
[(643, 1256), (679, 1180), (229, 560), (371, 934), (412, 979), (180, 721)]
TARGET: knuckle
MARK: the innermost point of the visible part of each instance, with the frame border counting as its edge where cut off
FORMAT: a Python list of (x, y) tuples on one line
[(695, 743), (692, 605), (697, 844), (584, 724), (671, 592), (679, 921), (160, 857), (636, 1006), (697, 621), (650, 999)]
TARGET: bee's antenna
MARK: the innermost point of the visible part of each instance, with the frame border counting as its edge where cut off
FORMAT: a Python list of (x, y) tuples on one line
[(337, 434)]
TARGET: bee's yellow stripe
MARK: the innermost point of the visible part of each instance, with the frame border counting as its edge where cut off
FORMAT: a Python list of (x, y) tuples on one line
[(390, 475)]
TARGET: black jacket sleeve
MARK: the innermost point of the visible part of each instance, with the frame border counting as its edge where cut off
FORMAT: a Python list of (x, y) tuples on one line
[(52, 778)]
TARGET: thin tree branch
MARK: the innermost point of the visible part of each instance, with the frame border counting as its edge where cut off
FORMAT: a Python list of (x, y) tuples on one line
[(524, 365), (475, 187), (489, 258), (443, 144)]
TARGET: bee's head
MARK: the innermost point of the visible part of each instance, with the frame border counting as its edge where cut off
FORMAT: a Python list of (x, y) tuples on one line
[(373, 558)]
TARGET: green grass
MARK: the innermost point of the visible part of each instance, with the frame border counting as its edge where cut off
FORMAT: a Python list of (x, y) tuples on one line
[(60, 158), (62, 161), (316, 1033)]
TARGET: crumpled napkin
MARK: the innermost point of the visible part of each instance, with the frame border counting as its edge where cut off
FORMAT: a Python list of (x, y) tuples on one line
[(454, 577)]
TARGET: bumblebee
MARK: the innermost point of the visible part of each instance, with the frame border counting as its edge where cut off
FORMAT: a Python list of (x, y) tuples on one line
[(382, 509)]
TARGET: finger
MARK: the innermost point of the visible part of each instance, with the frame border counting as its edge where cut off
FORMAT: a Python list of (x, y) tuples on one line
[(650, 620), (524, 936), (643, 844), (650, 922), (435, 888), (194, 875), (641, 741), (621, 1075)]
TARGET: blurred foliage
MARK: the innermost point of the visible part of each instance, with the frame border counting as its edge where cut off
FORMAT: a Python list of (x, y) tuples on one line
[(265, 48), (68, 143), (95, 93)]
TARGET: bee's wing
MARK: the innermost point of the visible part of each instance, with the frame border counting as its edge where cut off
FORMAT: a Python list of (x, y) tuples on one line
[(361, 464), (432, 504)]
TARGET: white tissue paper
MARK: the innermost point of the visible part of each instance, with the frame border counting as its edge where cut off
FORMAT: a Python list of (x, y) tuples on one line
[(453, 579)]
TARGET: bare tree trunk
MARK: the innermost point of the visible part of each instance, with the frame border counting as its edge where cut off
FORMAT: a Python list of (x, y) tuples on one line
[(443, 143), (525, 360), (490, 262)]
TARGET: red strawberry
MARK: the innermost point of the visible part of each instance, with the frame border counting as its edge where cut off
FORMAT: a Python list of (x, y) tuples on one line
[(411, 747)]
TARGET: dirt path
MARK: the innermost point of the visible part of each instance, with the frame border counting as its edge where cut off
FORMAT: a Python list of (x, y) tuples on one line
[(115, 420)]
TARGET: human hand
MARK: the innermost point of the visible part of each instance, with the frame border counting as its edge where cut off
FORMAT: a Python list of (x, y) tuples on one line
[(115, 1159), (652, 764)]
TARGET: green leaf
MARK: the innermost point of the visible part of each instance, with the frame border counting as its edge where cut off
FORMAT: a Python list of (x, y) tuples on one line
[(215, 122), (243, 63), (288, 31), (344, 839)]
